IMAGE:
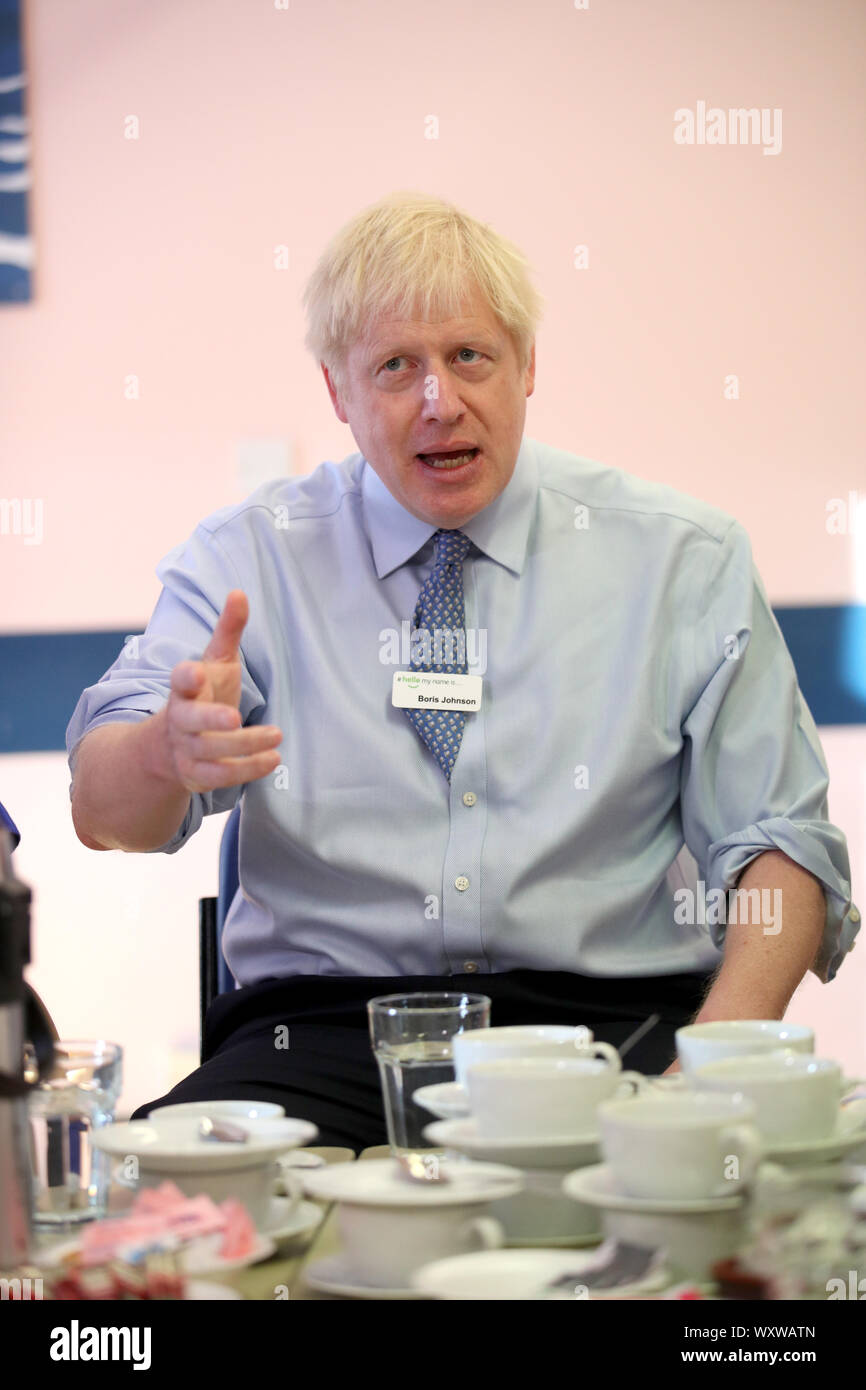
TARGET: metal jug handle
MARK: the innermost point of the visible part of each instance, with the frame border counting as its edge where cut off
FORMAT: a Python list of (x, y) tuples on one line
[(39, 1031)]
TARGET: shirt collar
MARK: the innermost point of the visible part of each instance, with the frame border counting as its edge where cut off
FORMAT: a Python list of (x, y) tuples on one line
[(501, 530)]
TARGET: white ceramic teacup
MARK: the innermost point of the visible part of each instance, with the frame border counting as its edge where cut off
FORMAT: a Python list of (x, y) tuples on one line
[(545, 1097), (694, 1144), (253, 1186), (797, 1096), (520, 1040), (389, 1226), (740, 1037), (169, 1148), (385, 1245)]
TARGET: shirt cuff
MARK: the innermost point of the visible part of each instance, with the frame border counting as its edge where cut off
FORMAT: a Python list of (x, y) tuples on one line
[(188, 826), (817, 847)]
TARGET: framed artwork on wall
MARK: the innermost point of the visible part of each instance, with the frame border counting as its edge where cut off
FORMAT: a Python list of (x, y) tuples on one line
[(16, 243)]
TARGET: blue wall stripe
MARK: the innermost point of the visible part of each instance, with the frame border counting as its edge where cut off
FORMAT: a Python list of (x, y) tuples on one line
[(828, 646), (42, 674)]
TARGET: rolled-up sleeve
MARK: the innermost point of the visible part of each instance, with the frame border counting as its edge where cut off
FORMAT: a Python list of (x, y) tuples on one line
[(754, 777), (196, 575)]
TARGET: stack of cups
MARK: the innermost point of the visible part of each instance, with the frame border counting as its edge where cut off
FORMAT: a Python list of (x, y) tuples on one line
[(690, 1144), (534, 1094), (538, 1083), (797, 1095)]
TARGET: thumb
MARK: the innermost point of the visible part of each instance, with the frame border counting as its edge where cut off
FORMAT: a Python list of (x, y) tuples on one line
[(226, 639)]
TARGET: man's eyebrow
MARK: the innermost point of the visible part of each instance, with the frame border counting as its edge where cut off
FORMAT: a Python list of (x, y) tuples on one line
[(395, 347)]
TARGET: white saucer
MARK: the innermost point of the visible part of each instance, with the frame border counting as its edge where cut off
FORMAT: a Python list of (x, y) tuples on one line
[(199, 1256), (597, 1187), (222, 1109), (300, 1158), (334, 1275), (174, 1145), (463, 1136), (850, 1135), (448, 1100), (280, 1227), (283, 1224), (379, 1182), (554, 1242), (518, 1274)]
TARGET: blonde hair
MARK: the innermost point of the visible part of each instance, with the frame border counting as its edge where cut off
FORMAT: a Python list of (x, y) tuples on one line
[(412, 255)]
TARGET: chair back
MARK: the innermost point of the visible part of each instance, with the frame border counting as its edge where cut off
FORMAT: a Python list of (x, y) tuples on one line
[(229, 883)]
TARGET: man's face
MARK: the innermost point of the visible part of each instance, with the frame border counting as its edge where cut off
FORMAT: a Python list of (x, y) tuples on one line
[(414, 387)]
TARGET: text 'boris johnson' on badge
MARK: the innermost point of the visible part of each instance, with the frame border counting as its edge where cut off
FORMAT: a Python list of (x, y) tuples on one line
[(435, 690)]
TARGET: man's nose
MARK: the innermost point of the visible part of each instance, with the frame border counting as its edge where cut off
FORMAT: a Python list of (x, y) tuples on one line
[(442, 400)]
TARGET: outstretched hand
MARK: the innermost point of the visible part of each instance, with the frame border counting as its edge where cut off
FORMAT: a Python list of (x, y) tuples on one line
[(208, 746)]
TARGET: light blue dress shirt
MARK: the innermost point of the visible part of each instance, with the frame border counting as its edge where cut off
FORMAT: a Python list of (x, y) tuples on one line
[(637, 696)]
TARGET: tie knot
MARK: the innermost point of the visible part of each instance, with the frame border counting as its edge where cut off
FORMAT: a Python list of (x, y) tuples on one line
[(451, 547)]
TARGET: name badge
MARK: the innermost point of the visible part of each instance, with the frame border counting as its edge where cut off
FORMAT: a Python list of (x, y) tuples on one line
[(435, 690)]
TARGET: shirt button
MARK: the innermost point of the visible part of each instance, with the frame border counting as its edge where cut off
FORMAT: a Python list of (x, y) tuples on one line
[(469, 798), (461, 883), (853, 914), (470, 967)]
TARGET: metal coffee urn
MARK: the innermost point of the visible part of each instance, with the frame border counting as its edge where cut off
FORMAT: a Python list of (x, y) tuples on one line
[(22, 1018)]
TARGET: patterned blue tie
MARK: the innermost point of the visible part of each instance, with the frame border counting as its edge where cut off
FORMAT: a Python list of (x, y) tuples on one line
[(439, 614)]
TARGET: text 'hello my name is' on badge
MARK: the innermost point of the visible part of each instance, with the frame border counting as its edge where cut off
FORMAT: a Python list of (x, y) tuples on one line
[(435, 690)]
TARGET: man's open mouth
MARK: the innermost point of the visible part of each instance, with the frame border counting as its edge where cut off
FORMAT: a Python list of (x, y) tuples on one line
[(448, 460)]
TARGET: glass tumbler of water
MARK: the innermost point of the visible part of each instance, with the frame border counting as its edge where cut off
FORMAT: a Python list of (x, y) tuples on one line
[(411, 1036), (70, 1177)]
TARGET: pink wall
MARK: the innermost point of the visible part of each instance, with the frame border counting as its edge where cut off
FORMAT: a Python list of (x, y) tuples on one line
[(263, 127)]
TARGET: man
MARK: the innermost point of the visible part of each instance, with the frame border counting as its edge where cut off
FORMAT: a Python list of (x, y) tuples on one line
[(636, 696)]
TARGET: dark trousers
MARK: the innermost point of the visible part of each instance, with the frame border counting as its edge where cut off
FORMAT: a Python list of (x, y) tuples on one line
[(327, 1073)]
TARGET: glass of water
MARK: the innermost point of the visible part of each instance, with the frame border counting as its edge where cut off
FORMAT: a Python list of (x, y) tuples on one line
[(411, 1036), (70, 1177)]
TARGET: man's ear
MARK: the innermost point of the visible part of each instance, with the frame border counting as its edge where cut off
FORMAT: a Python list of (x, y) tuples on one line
[(333, 392), (530, 371)]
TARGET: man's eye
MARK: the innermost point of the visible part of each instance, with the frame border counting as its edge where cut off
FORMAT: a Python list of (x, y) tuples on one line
[(392, 360)]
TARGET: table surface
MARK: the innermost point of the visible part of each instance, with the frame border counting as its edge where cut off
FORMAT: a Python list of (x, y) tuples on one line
[(281, 1276)]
